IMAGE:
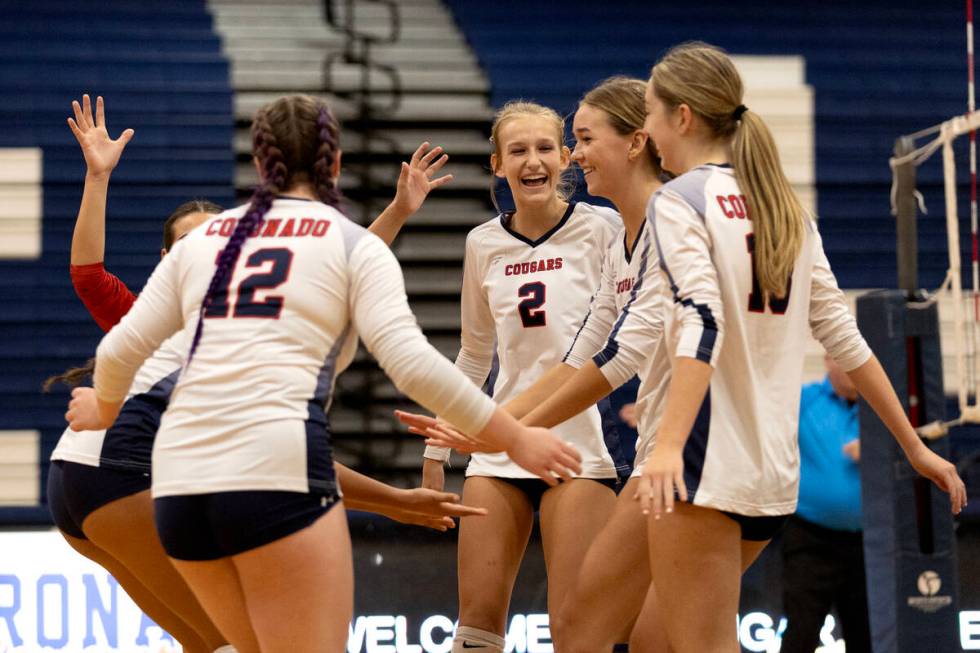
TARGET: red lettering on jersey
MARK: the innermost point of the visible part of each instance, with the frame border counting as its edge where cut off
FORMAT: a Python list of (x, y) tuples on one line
[(288, 229), (531, 267), (271, 227), (558, 263), (212, 228), (551, 264), (305, 227), (722, 202), (228, 226), (738, 203), (320, 228), (624, 285)]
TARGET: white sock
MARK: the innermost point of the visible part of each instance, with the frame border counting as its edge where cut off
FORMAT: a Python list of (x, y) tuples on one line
[(227, 648), (474, 640)]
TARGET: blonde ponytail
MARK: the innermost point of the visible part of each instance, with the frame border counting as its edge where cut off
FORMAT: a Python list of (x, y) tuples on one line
[(704, 78)]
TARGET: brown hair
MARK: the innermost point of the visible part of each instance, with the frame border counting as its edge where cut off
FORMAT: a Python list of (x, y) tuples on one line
[(704, 78), (71, 377), (622, 100), (294, 139), (185, 209), (519, 109)]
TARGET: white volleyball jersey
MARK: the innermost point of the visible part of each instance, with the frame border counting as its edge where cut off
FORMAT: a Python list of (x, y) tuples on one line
[(525, 300), (623, 279), (248, 410), (742, 454), (154, 381)]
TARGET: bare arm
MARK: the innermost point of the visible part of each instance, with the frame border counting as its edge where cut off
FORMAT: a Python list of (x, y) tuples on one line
[(101, 156)]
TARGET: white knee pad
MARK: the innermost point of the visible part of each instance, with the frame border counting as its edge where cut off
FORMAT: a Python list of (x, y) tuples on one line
[(474, 640)]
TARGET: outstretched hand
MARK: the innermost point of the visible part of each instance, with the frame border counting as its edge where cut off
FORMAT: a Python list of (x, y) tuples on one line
[(438, 433), (415, 181), (100, 151), (432, 509)]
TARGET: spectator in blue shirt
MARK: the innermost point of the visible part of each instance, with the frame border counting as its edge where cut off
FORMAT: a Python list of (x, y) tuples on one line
[(823, 558)]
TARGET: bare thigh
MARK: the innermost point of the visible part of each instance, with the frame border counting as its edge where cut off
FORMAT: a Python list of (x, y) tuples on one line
[(572, 515), (696, 563), (218, 589), (612, 584), (490, 551), (125, 529), (300, 589)]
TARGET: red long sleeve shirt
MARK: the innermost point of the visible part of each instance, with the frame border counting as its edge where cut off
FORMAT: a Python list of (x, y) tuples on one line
[(104, 294)]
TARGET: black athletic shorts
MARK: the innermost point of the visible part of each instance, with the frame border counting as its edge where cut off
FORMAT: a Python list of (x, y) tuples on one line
[(534, 488), (212, 526), (758, 529), (75, 491)]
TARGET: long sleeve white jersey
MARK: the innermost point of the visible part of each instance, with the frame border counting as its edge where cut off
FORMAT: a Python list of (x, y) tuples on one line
[(248, 411), (702, 296), (525, 300), (127, 445)]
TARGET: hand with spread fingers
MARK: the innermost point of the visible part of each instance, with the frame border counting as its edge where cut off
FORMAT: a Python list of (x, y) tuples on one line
[(415, 180), (442, 434), (101, 152), (663, 474), (432, 509)]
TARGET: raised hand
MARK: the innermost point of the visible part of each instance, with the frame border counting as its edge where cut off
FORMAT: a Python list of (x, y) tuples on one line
[(415, 181), (100, 151)]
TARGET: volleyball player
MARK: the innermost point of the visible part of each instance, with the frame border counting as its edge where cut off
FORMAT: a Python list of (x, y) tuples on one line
[(528, 276), (621, 164), (242, 477), (99, 481)]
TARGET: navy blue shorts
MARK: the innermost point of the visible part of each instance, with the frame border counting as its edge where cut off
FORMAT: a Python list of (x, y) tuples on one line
[(75, 491), (201, 527), (534, 488), (758, 529)]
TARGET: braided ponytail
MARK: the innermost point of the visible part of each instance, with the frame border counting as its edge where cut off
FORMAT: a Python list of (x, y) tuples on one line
[(329, 144), (274, 178), (295, 140)]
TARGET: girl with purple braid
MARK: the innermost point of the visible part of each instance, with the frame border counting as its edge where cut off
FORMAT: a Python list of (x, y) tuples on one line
[(243, 479)]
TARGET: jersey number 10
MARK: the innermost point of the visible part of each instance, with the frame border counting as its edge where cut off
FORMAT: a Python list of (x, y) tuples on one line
[(777, 305), (245, 304)]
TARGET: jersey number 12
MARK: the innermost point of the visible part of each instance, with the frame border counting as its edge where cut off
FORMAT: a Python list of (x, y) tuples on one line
[(245, 304)]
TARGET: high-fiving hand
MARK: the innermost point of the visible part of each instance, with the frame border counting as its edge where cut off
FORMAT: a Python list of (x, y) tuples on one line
[(100, 151)]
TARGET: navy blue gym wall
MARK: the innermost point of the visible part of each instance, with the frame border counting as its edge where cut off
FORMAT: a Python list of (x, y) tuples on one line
[(879, 69), (160, 68)]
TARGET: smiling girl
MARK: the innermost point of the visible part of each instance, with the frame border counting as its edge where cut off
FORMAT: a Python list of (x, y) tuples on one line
[(527, 280)]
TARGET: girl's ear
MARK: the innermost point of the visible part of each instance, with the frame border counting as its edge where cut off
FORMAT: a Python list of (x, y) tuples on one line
[(566, 157), (685, 119), (637, 144), (493, 166)]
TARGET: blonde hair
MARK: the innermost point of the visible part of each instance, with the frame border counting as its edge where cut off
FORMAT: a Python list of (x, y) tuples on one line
[(622, 99), (521, 109), (703, 77)]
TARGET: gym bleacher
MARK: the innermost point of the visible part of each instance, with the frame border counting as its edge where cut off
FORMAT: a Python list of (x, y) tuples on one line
[(160, 67)]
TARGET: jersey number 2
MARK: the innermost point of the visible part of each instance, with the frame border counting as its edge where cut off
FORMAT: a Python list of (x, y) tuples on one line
[(245, 305), (777, 305), (532, 315)]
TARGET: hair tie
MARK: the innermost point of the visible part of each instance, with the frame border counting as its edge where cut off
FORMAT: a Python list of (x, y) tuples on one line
[(739, 110)]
